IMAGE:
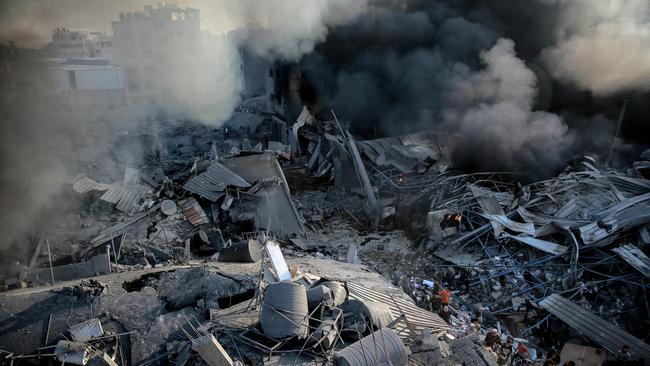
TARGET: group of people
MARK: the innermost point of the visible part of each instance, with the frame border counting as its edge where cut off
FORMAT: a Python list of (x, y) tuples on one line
[(435, 296), (553, 359), (506, 353), (517, 354)]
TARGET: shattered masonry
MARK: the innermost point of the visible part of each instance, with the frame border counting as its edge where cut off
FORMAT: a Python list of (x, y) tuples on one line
[(261, 247)]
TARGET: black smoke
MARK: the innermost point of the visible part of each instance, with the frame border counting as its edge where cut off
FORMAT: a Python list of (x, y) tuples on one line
[(399, 69)]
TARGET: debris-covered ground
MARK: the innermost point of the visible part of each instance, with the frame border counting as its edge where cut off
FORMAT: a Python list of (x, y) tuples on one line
[(276, 242)]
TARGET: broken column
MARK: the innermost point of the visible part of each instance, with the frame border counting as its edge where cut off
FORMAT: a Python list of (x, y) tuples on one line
[(211, 351)]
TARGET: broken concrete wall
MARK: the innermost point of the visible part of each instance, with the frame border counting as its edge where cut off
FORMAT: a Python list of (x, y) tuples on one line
[(276, 207), (184, 287), (94, 266), (134, 310), (150, 342)]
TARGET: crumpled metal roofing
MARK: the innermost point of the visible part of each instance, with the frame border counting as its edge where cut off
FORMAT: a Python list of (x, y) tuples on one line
[(276, 206), (592, 326), (82, 184), (211, 183), (125, 196), (86, 330), (131, 176), (417, 317), (540, 244), (634, 257), (194, 212)]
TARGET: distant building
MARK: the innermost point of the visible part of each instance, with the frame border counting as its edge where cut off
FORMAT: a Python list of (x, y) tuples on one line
[(101, 45), (8, 54), (88, 83), (159, 50), (90, 74), (259, 74), (71, 44), (67, 44)]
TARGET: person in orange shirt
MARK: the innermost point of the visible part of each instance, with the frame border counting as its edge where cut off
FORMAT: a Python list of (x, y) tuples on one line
[(522, 355), (444, 296)]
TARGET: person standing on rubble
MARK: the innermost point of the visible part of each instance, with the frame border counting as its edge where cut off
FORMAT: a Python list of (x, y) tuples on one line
[(553, 356), (479, 315), (503, 355), (471, 329), (445, 314), (444, 296), (528, 307), (522, 355), (492, 338), (506, 351)]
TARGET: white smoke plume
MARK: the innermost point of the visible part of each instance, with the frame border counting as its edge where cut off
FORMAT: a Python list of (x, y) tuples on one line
[(209, 85), (294, 27), (37, 154), (602, 45), (492, 110)]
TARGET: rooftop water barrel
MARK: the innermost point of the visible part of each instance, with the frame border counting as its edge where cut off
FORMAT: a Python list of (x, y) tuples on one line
[(383, 347), (284, 311)]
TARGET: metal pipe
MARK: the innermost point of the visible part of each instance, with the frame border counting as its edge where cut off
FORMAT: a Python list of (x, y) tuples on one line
[(618, 130), (49, 256)]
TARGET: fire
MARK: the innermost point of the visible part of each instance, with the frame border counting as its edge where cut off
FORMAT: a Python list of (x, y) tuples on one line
[(453, 217)]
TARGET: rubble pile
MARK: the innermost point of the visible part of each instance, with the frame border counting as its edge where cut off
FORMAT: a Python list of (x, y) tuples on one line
[(268, 242)]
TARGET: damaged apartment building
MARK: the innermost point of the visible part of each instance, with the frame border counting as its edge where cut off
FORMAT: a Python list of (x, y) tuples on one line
[(282, 237)]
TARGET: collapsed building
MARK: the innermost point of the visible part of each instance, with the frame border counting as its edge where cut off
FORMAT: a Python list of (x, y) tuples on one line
[(272, 242)]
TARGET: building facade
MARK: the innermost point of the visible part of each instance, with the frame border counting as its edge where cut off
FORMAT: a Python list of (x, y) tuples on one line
[(71, 44), (67, 44), (158, 49), (101, 45)]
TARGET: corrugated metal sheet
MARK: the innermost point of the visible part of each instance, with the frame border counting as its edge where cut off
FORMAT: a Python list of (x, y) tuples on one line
[(417, 317), (114, 194), (131, 176), (377, 313), (606, 230), (82, 184), (276, 206), (211, 183), (193, 211), (634, 257), (597, 329), (407, 153), (645, 236), (125, 196), (132, 197), (543, 245), (616, 209), (87, 330), (117, 229), (493, 212), (499, 221), (487, 200)]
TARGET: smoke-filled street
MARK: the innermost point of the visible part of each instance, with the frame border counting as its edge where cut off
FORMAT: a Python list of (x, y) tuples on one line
[(330, 182)]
